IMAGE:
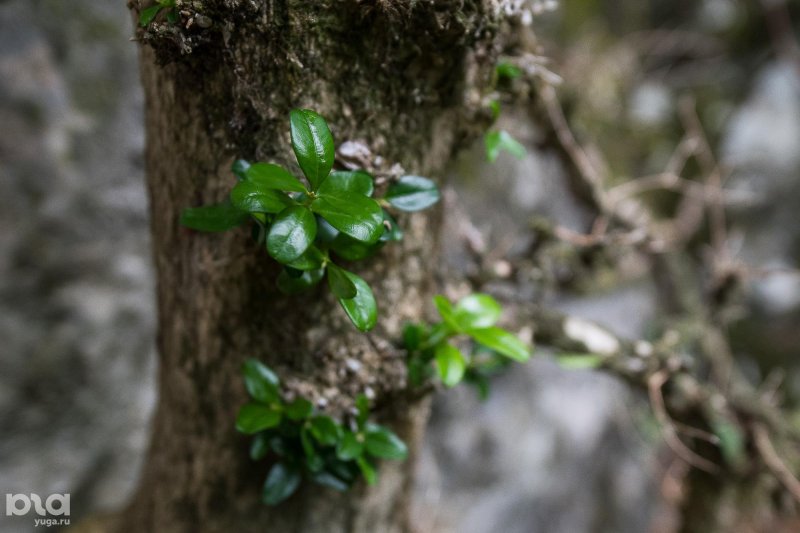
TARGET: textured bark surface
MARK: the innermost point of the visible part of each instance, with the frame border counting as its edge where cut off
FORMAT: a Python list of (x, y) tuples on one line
[(404, 79)]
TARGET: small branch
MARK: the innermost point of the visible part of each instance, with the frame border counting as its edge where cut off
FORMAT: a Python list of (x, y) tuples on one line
[(774, 462), (654, 385)]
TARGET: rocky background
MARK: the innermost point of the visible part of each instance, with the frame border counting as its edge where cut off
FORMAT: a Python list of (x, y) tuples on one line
[(552, 450)]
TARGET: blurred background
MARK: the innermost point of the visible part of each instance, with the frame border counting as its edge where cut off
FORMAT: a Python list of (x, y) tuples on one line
[(551, 450)]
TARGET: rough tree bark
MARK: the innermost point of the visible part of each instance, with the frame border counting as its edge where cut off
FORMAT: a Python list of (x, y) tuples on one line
[(404, 78)]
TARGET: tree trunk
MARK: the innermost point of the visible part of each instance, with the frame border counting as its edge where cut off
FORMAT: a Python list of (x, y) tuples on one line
[(404, 78)]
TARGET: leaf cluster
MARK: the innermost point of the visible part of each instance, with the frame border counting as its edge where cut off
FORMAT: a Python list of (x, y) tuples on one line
[(306, 443), (434, 353), (303, 223)]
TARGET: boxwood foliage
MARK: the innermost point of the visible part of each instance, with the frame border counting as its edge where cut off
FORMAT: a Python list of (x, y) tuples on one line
[(304, 223), (305, 444)]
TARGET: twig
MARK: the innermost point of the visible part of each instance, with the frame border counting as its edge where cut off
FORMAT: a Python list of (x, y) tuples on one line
[(774, 462), (654, 385)]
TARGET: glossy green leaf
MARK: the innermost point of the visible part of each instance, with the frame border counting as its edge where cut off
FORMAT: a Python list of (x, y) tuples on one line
[(351, 213), (477, 311), (351, 249), (381, 442), (271, 176), (259, 447), (217, 217), (312, 259), (355, 181), (497, 141), (294, 285), (299, 409), (502, 342), (361, 309), (367, 469), (339, 282), (450, 363), (413, 193), (446, 311), (254, 198), (261, 382), (255, 417), (282, 481), (325, 232), (239, 169), (291, 233), (325, 430), (147, 14), (329, 480), (313, 145), (350, 447)]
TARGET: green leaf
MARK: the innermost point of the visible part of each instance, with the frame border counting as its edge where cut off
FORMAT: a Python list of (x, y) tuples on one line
[(362, 406), (496, 141), (367, 469), (305, 442), (349, 447), (217, 217), (412, 336), (325, 232), (313, 145), (172, 16), (508, 70), (413, 193), (239, 169), (362, 309), (147, 14), (271, 176), (579, 361), (477, 311), (261, 382), (381, 442), (502, 342), (325, 430), (351, 213), (446, 311), (351, 249), (259, 447), (255, 417), (329, 480), (292, 232), (254, 198), (340, 284), (299, 409), (731, 440), (355, 181), (312, 259), (281, 483), (293, 285), (450, 363)]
